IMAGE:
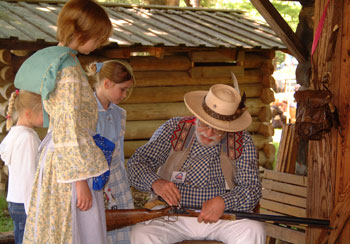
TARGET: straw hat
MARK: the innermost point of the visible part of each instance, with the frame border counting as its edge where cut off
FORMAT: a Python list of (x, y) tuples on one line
[(221, 108)]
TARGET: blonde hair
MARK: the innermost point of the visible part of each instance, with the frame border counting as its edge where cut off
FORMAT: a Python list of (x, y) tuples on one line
[(84, 19), (20, 101), (117, 71)]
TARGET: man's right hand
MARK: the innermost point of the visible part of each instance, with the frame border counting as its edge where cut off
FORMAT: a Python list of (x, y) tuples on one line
[(168, 191)]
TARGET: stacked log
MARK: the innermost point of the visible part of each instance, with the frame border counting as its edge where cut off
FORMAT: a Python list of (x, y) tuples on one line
[(6, 87), (161, 83)]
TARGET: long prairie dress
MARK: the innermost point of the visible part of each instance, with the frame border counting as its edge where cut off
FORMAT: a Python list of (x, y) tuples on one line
[(68, 154)]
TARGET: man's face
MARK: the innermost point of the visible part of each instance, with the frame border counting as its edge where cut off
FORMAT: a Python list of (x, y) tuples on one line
[(206, 135)]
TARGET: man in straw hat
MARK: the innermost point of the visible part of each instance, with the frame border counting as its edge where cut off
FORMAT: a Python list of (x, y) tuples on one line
[(207, 162)]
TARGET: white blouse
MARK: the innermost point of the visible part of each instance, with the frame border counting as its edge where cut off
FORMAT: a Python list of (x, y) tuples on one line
[(19, 151)]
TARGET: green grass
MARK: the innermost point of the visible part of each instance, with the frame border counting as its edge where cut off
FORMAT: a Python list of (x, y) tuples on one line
[(6, 223), (276, 144)]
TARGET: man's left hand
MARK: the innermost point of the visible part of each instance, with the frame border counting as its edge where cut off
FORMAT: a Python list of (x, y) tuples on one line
[(212, 210)]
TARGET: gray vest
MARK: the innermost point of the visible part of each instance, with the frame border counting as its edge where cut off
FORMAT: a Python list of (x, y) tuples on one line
[(182, 139)]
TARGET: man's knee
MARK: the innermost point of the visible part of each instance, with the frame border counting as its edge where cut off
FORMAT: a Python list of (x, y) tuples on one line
[(255, 232), (257, 228), (141, 233), (137, 233)]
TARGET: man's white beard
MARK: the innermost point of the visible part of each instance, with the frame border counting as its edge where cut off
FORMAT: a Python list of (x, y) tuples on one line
[(214, 139)]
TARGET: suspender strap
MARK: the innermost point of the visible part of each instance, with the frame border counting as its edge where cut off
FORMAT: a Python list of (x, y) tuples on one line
[(182, 135)]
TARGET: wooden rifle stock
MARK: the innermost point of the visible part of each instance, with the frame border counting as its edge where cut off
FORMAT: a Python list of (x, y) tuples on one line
[(120, 218)]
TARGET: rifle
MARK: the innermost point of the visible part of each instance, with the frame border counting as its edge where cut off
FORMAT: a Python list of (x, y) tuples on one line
[(120, 218)]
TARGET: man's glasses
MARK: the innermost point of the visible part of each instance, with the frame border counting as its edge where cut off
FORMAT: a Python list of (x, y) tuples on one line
[(204, 126)]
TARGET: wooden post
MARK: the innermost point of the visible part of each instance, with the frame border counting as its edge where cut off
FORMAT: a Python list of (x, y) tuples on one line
[(321, 176), (329, 168)]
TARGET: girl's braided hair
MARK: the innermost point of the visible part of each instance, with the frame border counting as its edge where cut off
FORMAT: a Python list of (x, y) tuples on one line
[(20, 101)]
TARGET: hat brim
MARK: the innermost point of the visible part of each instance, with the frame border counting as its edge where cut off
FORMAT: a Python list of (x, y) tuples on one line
[(193, 101)]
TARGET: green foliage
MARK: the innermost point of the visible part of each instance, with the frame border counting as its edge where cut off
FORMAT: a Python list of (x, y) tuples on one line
[(6, 223), (289, 10), (279, 58)]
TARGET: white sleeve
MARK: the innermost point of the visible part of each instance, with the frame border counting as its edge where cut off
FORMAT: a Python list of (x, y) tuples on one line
[(29, 147)]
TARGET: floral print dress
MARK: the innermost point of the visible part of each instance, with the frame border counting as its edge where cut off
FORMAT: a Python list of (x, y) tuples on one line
[(69, 154)]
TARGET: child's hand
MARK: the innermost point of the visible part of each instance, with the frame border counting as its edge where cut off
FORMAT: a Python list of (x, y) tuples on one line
[(84, 198)]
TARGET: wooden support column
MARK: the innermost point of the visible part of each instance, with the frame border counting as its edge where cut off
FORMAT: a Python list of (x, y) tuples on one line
[(280, 26), (321, 176), (329, 170)]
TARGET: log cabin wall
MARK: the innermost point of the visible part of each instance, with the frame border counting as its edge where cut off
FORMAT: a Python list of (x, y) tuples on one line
[(173, 50), (6, 80), (162, 81)]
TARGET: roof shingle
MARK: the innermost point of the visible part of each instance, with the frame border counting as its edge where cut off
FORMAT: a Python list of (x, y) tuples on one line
[(34, 21)]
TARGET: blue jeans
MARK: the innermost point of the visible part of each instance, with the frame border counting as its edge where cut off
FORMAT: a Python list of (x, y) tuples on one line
[(19, 217)]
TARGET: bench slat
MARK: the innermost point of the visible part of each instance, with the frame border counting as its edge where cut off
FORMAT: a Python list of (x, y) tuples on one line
[(285, 234), (284, 198), (283, 208), (285, 177), (265, 211), (284, 187), (284, 194)]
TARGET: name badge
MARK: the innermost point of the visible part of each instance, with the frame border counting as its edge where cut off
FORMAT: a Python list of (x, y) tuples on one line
[(178, 177)]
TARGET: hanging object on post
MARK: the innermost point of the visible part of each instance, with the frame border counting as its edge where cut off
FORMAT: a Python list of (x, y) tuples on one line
[(314, 116)]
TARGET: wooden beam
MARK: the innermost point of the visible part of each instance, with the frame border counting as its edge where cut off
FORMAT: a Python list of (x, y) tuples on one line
[(282, 29), (15, 44)]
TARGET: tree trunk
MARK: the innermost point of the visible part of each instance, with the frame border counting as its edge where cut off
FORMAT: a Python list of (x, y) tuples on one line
[(155, 2), (173, 2), (163, 2)]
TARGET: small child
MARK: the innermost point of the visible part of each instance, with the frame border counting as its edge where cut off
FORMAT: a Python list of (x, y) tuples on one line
[(19, 152), (114, 81)]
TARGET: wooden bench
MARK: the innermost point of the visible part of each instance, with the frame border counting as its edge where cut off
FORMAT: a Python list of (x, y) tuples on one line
[(284, 194)]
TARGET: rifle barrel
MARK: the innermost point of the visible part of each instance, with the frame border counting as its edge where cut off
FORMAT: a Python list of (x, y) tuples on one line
[(323, 223)]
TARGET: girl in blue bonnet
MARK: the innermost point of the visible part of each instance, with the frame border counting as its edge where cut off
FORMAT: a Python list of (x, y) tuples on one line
[(114, 81), (63, 207)]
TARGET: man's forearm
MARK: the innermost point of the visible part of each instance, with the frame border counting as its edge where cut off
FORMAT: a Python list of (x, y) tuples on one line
[(238, 199), (140, 176)]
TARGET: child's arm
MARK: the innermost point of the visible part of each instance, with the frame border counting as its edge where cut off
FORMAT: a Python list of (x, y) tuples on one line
[(84, 198)]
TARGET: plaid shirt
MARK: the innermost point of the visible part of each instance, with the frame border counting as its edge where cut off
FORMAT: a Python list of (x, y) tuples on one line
[(204, 178), (111, 124)]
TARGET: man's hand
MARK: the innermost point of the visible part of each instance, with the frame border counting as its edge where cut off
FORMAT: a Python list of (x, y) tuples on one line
[(168, 191), (212, 210), (84, 197)]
